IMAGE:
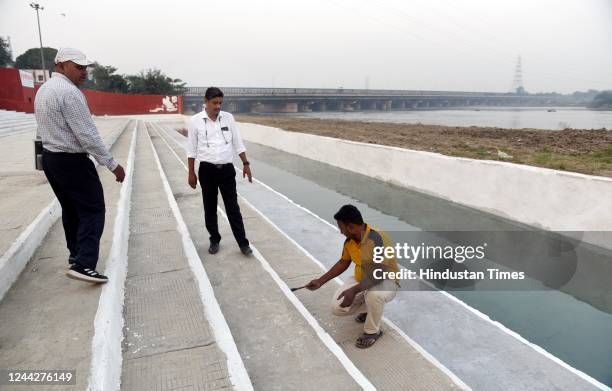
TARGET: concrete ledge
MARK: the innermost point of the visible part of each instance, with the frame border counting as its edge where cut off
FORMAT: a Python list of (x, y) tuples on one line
[(539, 197), (14, 260)]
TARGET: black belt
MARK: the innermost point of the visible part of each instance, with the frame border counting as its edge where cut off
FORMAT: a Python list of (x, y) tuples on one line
[(46, 151), (218, 166)]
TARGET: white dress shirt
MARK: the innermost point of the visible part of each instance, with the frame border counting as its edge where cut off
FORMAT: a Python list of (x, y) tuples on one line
[(64, 121), (213, 141)]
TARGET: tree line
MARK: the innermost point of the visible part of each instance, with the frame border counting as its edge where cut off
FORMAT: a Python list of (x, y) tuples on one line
[(101, 77), (602, 100)]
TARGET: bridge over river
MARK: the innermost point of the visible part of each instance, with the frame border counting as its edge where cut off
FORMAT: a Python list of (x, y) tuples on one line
[(294, 100)]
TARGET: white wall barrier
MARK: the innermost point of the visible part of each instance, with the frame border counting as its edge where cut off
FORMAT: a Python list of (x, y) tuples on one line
[(539, 197)]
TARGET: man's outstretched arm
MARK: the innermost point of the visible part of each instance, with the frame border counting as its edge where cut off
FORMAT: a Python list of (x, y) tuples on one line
[(339, 268)]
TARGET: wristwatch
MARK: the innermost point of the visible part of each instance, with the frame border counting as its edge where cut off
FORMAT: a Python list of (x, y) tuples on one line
[(246, 163)]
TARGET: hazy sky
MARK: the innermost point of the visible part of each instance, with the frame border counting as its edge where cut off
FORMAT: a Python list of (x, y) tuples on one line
[(469, 45)]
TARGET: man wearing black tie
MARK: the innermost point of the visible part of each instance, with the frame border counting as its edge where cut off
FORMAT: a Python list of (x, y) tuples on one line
[(213, 138)]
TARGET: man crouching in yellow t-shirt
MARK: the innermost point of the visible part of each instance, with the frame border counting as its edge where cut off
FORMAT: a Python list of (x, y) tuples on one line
[(362, 294)]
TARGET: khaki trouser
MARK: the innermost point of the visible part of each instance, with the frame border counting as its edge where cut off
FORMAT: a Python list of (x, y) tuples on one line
[(371, 301)]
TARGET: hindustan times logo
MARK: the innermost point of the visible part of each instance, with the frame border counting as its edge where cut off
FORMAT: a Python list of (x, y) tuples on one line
[(413, 254)]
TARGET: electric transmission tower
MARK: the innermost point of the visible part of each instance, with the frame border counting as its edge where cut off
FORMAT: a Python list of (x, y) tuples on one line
[(517, 84)]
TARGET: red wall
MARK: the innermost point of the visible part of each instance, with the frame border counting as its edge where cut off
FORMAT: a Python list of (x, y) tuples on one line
[(101, 103), (15, 97)]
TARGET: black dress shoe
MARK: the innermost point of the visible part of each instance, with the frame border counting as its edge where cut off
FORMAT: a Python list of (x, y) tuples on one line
[(246, 250), (214, 248)]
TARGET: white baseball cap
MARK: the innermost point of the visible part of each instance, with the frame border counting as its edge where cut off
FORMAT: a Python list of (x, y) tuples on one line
[(74, 55)]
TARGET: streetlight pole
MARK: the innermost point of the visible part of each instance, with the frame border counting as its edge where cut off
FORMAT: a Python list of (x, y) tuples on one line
[(37, 7)]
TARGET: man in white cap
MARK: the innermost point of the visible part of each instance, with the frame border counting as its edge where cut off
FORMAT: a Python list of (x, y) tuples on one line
[(68, 136)]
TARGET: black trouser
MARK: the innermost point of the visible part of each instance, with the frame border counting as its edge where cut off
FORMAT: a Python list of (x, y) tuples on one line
[(75, 182), (222, 177)]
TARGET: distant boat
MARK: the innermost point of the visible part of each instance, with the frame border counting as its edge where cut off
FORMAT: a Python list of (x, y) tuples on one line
[(551, 110)]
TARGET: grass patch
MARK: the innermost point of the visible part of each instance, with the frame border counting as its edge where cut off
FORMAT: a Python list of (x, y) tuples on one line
[(603, 156), (542, 158)]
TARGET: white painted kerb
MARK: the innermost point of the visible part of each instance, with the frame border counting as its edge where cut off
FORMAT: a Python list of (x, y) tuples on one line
[(106, 356)]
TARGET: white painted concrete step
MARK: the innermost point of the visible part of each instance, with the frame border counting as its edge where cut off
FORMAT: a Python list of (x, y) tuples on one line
[(29, 129), (14, 114), (17, 124), (16, 119)]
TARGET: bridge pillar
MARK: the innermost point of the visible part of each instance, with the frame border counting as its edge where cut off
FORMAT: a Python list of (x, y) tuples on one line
[(254, 107), (261, 107), (399, 104), (243, 107), (369, 105), (304, 107), (386, 105), (319, 106), (232, 107), (288, 107), (345, 106)]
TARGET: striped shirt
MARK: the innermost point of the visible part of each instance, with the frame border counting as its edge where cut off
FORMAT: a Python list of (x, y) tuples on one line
[(64, 121)]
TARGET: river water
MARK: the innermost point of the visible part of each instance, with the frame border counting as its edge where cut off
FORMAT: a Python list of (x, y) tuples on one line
[(500, 117)]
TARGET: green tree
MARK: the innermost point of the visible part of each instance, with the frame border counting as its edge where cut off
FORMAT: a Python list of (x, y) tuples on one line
[(103, 78), (153, 81), (603, 99), (31, 59), (6, 57)]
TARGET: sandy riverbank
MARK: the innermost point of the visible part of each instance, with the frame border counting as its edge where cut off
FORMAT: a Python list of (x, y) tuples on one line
[(583, 151)]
